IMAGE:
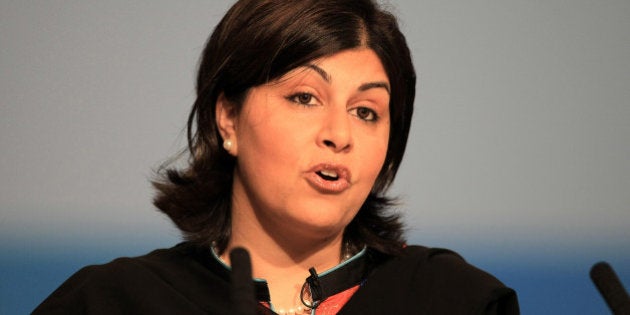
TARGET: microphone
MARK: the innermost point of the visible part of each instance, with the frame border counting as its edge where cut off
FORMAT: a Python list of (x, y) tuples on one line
[(242, 289), (316, 292), (611, 288)]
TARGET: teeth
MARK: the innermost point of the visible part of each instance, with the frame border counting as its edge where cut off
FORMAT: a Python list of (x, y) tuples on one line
[(329, 173)]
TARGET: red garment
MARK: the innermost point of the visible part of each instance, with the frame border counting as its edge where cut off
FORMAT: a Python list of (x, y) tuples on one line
[(332, 305)]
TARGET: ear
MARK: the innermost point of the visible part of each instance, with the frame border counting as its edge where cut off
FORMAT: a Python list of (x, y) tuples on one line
[(226, 115)]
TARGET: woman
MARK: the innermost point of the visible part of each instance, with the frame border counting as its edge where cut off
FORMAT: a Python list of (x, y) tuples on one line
[(301, 120)]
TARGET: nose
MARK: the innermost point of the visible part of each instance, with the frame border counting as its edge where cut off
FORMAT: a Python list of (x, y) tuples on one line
[(336, 132)]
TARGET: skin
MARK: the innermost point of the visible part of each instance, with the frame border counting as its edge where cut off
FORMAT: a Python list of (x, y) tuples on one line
[(331, 115)]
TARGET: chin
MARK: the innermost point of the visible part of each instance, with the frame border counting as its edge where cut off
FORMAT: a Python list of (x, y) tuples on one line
[(330, 221)]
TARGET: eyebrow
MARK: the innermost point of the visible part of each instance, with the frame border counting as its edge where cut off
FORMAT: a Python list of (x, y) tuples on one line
[(320, 71), (375, 85), (362, 87)]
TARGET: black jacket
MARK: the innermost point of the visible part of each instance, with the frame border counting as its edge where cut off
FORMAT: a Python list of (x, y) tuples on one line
[(187, 279)]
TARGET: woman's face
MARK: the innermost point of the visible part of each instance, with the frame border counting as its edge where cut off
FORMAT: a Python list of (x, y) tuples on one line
[(310, 145)]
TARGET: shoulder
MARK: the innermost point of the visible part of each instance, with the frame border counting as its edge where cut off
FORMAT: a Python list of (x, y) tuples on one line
[(437, 281), (443, 268), (163, 280), (125, 271)]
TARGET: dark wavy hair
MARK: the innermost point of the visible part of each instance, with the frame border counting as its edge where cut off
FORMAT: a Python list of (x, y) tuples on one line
[(256, 42)]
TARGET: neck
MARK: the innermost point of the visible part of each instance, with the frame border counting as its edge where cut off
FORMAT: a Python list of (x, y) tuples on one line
[(275, 255), (283, 260)]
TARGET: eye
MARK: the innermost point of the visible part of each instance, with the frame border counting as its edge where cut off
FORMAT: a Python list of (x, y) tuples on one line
[(302, 98), (364, 113)]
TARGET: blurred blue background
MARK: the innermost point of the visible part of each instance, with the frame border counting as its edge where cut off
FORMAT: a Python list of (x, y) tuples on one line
[(518, 156)]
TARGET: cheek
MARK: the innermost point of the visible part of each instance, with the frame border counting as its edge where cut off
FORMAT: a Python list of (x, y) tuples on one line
[(377, 161), (376, 153), (277, 135), (268, 147)]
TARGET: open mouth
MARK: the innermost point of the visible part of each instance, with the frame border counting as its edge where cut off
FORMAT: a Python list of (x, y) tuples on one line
[(329, 178), (328, 175)]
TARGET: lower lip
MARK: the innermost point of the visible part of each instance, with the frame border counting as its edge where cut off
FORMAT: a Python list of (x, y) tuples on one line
[(327, 186)]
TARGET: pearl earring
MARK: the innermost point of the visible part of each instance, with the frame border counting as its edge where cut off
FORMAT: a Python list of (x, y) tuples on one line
[(227, 145)]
